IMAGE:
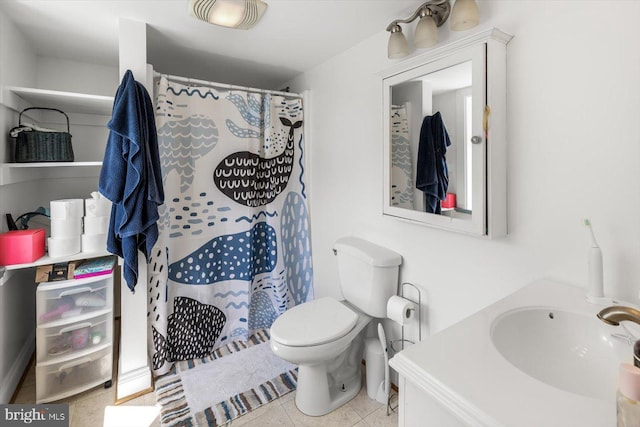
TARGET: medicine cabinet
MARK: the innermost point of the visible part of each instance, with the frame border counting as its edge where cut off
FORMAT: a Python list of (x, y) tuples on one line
[(465, 82)]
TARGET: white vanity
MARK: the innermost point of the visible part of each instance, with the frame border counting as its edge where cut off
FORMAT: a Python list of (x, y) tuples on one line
[(538, 357)]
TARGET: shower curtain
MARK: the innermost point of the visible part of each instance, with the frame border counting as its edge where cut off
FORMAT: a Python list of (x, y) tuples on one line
[(401, 160), (234, 249)]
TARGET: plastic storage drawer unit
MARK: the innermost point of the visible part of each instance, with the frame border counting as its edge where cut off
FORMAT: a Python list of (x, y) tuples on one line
[(61, 301), (74, 338), (55, 381)]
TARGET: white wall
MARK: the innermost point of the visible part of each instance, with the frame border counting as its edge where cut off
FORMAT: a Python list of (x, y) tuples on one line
[(573, 128), (17, 295), (72, 76)]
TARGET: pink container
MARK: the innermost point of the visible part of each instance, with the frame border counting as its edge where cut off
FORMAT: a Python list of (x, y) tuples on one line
[(21, 246), (449, 201)]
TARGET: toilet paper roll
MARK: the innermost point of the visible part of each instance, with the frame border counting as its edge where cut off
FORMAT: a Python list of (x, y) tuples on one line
[(94, 242), (66, 208), (97, 206), (63, 246), (400, 310), (96, 224), (70, 227)]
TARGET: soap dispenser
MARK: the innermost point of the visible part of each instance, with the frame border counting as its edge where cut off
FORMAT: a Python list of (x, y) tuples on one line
[(628, 399)]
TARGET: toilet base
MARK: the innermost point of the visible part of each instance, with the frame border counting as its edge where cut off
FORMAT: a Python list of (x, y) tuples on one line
[(327, 386)]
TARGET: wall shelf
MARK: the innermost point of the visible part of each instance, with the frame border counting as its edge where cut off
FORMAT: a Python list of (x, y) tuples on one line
[(50, 165), (88, 109), (46, 259), (11, 173), (69, 102)]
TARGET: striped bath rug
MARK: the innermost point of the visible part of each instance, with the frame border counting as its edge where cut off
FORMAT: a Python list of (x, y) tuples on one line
[(232, 381)]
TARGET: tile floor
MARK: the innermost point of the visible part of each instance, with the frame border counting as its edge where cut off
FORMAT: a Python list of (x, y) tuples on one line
[(87, 409)]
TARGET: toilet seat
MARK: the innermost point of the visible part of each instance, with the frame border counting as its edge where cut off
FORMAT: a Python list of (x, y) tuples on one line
[(313, 323)]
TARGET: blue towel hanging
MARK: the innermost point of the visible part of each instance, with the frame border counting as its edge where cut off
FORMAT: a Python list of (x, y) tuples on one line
[(432, 176), (131, 177)]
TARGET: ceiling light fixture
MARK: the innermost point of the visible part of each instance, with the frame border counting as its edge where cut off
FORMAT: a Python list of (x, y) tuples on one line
[(242, 14), (432, 14)]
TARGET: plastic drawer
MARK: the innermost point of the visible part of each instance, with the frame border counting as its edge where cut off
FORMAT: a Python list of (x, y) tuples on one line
[(71, 339), (62, 301), (55, 381)]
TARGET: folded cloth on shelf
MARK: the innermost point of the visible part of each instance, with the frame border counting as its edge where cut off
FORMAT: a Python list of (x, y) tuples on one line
[(131, 176), (28, 127)]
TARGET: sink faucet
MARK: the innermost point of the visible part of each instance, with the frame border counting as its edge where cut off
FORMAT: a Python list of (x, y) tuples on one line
[(617, 313)]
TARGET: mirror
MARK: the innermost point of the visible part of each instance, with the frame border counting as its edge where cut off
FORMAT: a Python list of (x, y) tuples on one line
[(437, 144)]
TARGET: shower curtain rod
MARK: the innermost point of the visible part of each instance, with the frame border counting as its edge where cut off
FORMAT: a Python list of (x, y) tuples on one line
[(189, 80)]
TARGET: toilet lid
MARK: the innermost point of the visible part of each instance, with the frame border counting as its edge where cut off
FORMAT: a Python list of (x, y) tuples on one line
[(313, 323)]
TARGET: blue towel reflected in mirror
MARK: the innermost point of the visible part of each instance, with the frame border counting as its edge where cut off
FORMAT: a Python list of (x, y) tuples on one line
[(432, 177)]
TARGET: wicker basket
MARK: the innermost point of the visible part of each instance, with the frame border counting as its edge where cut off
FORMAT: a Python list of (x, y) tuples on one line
[(40, 146)]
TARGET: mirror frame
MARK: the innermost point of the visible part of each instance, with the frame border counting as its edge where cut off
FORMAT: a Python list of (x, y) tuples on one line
[(489, 193)]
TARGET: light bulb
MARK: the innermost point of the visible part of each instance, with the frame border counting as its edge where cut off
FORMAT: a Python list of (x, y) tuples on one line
[(464, 15), (398, 46), (227, 13), (426, 33)]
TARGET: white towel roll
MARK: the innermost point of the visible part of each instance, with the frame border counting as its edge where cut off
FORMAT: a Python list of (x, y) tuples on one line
[(96, 224), (94, 242), (66, 208), (70, 227), (63, 246)]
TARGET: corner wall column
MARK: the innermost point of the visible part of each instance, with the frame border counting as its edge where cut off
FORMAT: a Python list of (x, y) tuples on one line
[(134, 374)]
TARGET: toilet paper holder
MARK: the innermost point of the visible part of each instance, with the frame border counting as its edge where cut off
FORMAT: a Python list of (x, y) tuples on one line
[(418, 309)]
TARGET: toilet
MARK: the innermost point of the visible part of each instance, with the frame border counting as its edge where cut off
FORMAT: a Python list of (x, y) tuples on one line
[(325, 337)]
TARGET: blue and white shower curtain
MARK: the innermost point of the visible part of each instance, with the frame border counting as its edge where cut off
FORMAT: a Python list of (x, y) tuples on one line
[(401, 159), (234, 250)]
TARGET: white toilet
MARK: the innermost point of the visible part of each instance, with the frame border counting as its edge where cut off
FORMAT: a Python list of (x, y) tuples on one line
[(325, 337)]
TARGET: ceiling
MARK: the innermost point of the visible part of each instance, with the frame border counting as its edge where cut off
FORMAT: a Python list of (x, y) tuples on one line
[(292, 37)]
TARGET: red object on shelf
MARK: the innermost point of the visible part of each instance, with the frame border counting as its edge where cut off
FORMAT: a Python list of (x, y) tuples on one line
[(449, 201), (21, 246)]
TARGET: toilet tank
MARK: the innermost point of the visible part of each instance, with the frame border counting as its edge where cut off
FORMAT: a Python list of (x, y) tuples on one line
[(368, 274)]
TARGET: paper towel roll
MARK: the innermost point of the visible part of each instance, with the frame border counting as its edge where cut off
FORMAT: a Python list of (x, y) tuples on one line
[(66, 208), (70, 227), (94, 242), (400, 310), (96, 224), (63, 246)]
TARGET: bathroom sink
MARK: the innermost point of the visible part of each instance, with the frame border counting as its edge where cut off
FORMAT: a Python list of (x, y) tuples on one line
[(574, 352)]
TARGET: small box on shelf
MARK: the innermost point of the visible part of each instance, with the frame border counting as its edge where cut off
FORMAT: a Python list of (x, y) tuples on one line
[(21, 246), (95, 267), (57, 271)]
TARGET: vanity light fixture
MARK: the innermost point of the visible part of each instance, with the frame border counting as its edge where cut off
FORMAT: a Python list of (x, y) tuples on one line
[(432, 14), (242, 14)]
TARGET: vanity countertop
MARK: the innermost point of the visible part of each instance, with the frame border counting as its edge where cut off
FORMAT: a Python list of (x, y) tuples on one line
[(461, 369)]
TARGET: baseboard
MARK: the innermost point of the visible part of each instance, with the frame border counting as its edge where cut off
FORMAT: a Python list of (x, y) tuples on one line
[(133, 396), (11, 381), (132, 383)]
